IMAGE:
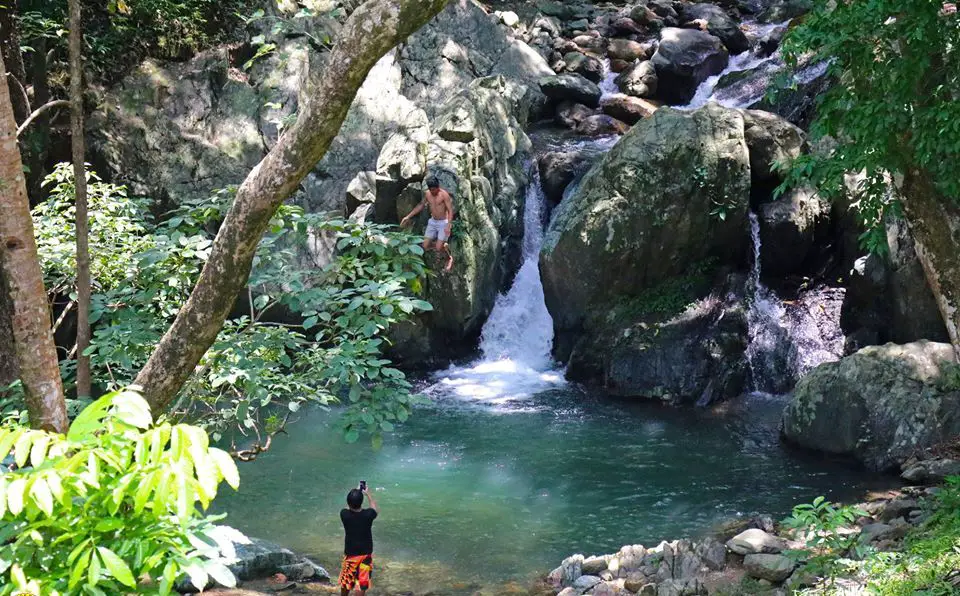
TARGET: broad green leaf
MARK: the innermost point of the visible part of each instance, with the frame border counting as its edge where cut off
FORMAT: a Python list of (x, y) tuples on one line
[(40, 493), (22, 449), (78, 568), (227, 467), (220, 574), (38, 452), (88, 421), (116, 567), (15, 495), (3, 496)]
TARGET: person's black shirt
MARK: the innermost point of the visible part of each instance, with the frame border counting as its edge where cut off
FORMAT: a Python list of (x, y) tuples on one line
[(357, 528)]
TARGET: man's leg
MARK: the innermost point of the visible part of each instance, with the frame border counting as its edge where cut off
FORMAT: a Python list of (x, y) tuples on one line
[(427, 245), (443, 247)]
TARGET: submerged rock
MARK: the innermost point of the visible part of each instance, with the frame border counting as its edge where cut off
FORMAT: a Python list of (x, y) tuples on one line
[(879, 405), (684, 59)]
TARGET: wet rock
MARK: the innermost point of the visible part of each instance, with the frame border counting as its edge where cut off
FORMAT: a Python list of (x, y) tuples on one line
[(258, 559), (638, 80), (619, 66), (664, 10), (754, 541), (931, 471), (626, 26), (683, 60), (898, 508), (625, 49), (629, 110), (571, 114), (586, 66), (571, 87), (770, 43), (571, 569), (552, 8), (557, 171), (643, 15), (720, 24), (773, 568), (600, 125), (569, 592), (591, 43), (880, 405), (782, 10), (772, 140), (789, 229)]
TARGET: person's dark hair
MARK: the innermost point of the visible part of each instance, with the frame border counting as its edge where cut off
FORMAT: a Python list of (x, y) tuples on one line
[(355, 498), (432, 182)]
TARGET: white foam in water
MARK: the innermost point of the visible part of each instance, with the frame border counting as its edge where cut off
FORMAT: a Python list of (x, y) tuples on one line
[(517, 337), (608, 86)]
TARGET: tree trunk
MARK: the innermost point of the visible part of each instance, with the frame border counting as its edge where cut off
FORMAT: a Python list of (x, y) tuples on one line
[(80, 186), (33, 340), (371, 31), (40, 130), (9, 371), (10, 49), (935, 222)]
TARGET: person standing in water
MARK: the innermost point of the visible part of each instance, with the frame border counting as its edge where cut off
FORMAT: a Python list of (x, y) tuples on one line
[(441, 219), (357, 541)]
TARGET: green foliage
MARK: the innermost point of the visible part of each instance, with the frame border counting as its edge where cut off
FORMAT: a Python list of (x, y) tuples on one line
[(111, 507), (895, 103), (306, 333), (931, 556), (667, 298), (820, 524), (120, 33)]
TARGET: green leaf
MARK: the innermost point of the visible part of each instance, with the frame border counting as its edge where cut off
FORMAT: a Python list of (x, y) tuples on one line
[(15, 495), (116, 567), (227, 467), (79, 566), (40, 493), (89, 420), (220, 574), (351, 436)]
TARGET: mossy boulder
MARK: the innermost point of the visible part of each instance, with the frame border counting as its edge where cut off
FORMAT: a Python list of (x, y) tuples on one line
[(879, 405), (673, 192)]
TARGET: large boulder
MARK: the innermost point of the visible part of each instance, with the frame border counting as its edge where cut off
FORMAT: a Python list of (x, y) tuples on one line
[(628, 109), (643, 213), (477, 149), (571, 87), (176, 131), (557, 171), (880, 405), (789, 230), (773, 142), (773, 568), (784, 10), (668, 344), (638, 80), (720, 24), (888, 298), (684, 59)]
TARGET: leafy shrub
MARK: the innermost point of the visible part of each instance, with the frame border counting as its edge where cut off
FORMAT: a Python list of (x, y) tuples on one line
[(110, 507), (820, 524)]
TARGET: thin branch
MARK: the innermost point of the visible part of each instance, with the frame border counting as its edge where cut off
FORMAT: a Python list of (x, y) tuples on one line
[(57, 103), (23, 91), (63, 315), (248, 455)]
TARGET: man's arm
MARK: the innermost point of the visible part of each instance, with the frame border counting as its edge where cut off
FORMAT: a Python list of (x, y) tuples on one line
[(448, 201), (416, 211), (373, 503)]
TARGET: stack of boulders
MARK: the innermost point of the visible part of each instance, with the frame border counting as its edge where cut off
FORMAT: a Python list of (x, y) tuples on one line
[(617, 64), (755, 550)]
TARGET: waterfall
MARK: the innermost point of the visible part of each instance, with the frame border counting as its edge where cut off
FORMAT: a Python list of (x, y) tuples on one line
[(608, 86), (519, 327), (769, 341), (517, 338)]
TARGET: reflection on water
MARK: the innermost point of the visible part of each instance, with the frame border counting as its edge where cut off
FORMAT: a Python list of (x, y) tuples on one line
[(473, 495)]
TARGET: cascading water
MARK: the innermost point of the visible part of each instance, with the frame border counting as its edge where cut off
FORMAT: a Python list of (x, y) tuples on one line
[(768, 351), (518, 336), (608, 85)]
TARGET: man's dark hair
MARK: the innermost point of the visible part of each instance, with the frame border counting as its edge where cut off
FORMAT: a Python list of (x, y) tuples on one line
[(355, 498), (432, 182)]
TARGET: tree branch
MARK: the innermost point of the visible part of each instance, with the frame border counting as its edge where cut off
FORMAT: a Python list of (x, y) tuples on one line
[(57, 103)]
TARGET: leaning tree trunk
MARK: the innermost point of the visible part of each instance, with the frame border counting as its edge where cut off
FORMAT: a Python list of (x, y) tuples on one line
[(371, 31), (80, 186), (33, 340), (935, 222)]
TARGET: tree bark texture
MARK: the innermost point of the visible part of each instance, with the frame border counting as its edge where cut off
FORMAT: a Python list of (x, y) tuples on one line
[(934, 220), (10, 49), (9, 371), (33, 340), (373, 29), (80, 186)]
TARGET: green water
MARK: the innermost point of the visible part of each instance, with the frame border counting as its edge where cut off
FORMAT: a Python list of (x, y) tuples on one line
[(474, 497)]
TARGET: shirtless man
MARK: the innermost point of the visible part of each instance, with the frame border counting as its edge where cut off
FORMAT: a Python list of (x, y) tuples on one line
[(441, 218)]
